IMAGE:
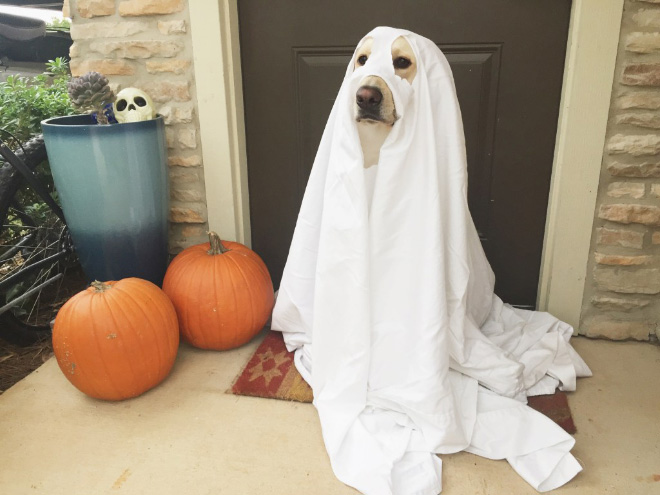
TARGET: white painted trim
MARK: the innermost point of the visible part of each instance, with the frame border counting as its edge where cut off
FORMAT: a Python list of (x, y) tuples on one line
[(590, 60), (216, 55)]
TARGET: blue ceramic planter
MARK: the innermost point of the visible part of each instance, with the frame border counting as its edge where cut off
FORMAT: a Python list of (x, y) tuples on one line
[(113, 186)]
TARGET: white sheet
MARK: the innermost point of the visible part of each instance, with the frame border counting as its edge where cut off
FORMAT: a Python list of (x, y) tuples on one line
[(387, 299)]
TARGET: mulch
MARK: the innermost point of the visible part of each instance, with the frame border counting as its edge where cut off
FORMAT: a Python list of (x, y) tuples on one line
[(270, 373), (18, 362)]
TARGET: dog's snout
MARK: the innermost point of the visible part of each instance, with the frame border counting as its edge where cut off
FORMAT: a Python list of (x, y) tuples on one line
[(368, 97)]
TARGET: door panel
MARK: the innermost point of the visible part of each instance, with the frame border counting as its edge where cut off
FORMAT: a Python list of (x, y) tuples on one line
[(319, 73), (507, 57)]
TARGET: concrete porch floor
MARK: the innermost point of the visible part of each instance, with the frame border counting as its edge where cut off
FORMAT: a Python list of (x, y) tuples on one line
[(187, 436)]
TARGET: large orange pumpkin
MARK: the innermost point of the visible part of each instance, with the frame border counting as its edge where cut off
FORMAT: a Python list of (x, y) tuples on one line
[(222, 293), (116, 340)]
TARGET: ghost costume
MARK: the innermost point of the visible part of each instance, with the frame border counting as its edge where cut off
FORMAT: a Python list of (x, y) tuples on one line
[(387, 300)]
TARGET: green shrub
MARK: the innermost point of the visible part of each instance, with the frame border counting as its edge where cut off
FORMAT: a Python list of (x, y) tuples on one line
[(26, 101), (55, 24)]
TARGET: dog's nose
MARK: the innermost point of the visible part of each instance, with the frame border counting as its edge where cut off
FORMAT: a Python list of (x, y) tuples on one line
[(368, 97)]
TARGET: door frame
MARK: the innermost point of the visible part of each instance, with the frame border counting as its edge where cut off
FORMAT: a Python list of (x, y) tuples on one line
[(593, 40)]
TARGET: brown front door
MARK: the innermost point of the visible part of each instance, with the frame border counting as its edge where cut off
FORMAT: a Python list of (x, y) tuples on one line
[(507, 57)]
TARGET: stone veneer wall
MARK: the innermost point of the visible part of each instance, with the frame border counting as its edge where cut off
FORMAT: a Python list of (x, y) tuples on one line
[(147, 44), (622, 295)]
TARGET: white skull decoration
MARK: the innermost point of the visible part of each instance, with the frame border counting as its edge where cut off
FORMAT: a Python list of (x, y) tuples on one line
[(133, 105)]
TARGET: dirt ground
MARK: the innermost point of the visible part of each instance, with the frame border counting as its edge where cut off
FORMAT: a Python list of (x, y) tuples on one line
[(18, 362)]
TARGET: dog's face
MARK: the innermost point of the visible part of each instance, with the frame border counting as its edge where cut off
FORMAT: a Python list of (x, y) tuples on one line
[(373, 100)]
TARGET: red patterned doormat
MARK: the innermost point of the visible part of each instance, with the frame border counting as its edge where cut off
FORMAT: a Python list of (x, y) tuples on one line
[(270, 373)]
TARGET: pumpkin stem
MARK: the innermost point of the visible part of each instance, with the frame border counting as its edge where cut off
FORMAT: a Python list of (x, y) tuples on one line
[(100, 286), (216, 244)]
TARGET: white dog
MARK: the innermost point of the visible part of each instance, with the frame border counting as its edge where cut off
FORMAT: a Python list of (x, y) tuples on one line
[(387, 297), (374, 109)]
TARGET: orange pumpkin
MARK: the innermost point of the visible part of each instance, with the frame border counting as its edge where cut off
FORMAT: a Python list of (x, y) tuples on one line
[(116, 340), (223, 294)]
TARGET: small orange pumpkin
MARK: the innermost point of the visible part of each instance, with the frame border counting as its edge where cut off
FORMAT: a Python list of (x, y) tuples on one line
[(116, 340), (223, 294)]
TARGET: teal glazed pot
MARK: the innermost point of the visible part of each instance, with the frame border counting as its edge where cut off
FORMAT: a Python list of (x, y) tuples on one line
[(112, 181)]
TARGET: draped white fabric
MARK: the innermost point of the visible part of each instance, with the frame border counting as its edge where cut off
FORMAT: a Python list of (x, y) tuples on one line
[(387, 299)]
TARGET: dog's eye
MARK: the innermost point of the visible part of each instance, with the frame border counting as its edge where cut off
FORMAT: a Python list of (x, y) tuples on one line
[(402, 63), (362, 59)]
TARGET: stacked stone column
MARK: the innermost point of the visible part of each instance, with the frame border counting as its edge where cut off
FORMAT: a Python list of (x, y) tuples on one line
[(622, 299), (146, 44)]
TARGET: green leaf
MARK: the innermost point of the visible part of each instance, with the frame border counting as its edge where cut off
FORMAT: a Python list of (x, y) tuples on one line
[(25, 102)]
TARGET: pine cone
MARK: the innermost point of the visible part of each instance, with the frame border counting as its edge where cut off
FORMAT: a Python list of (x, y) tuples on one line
[(90, 92)]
